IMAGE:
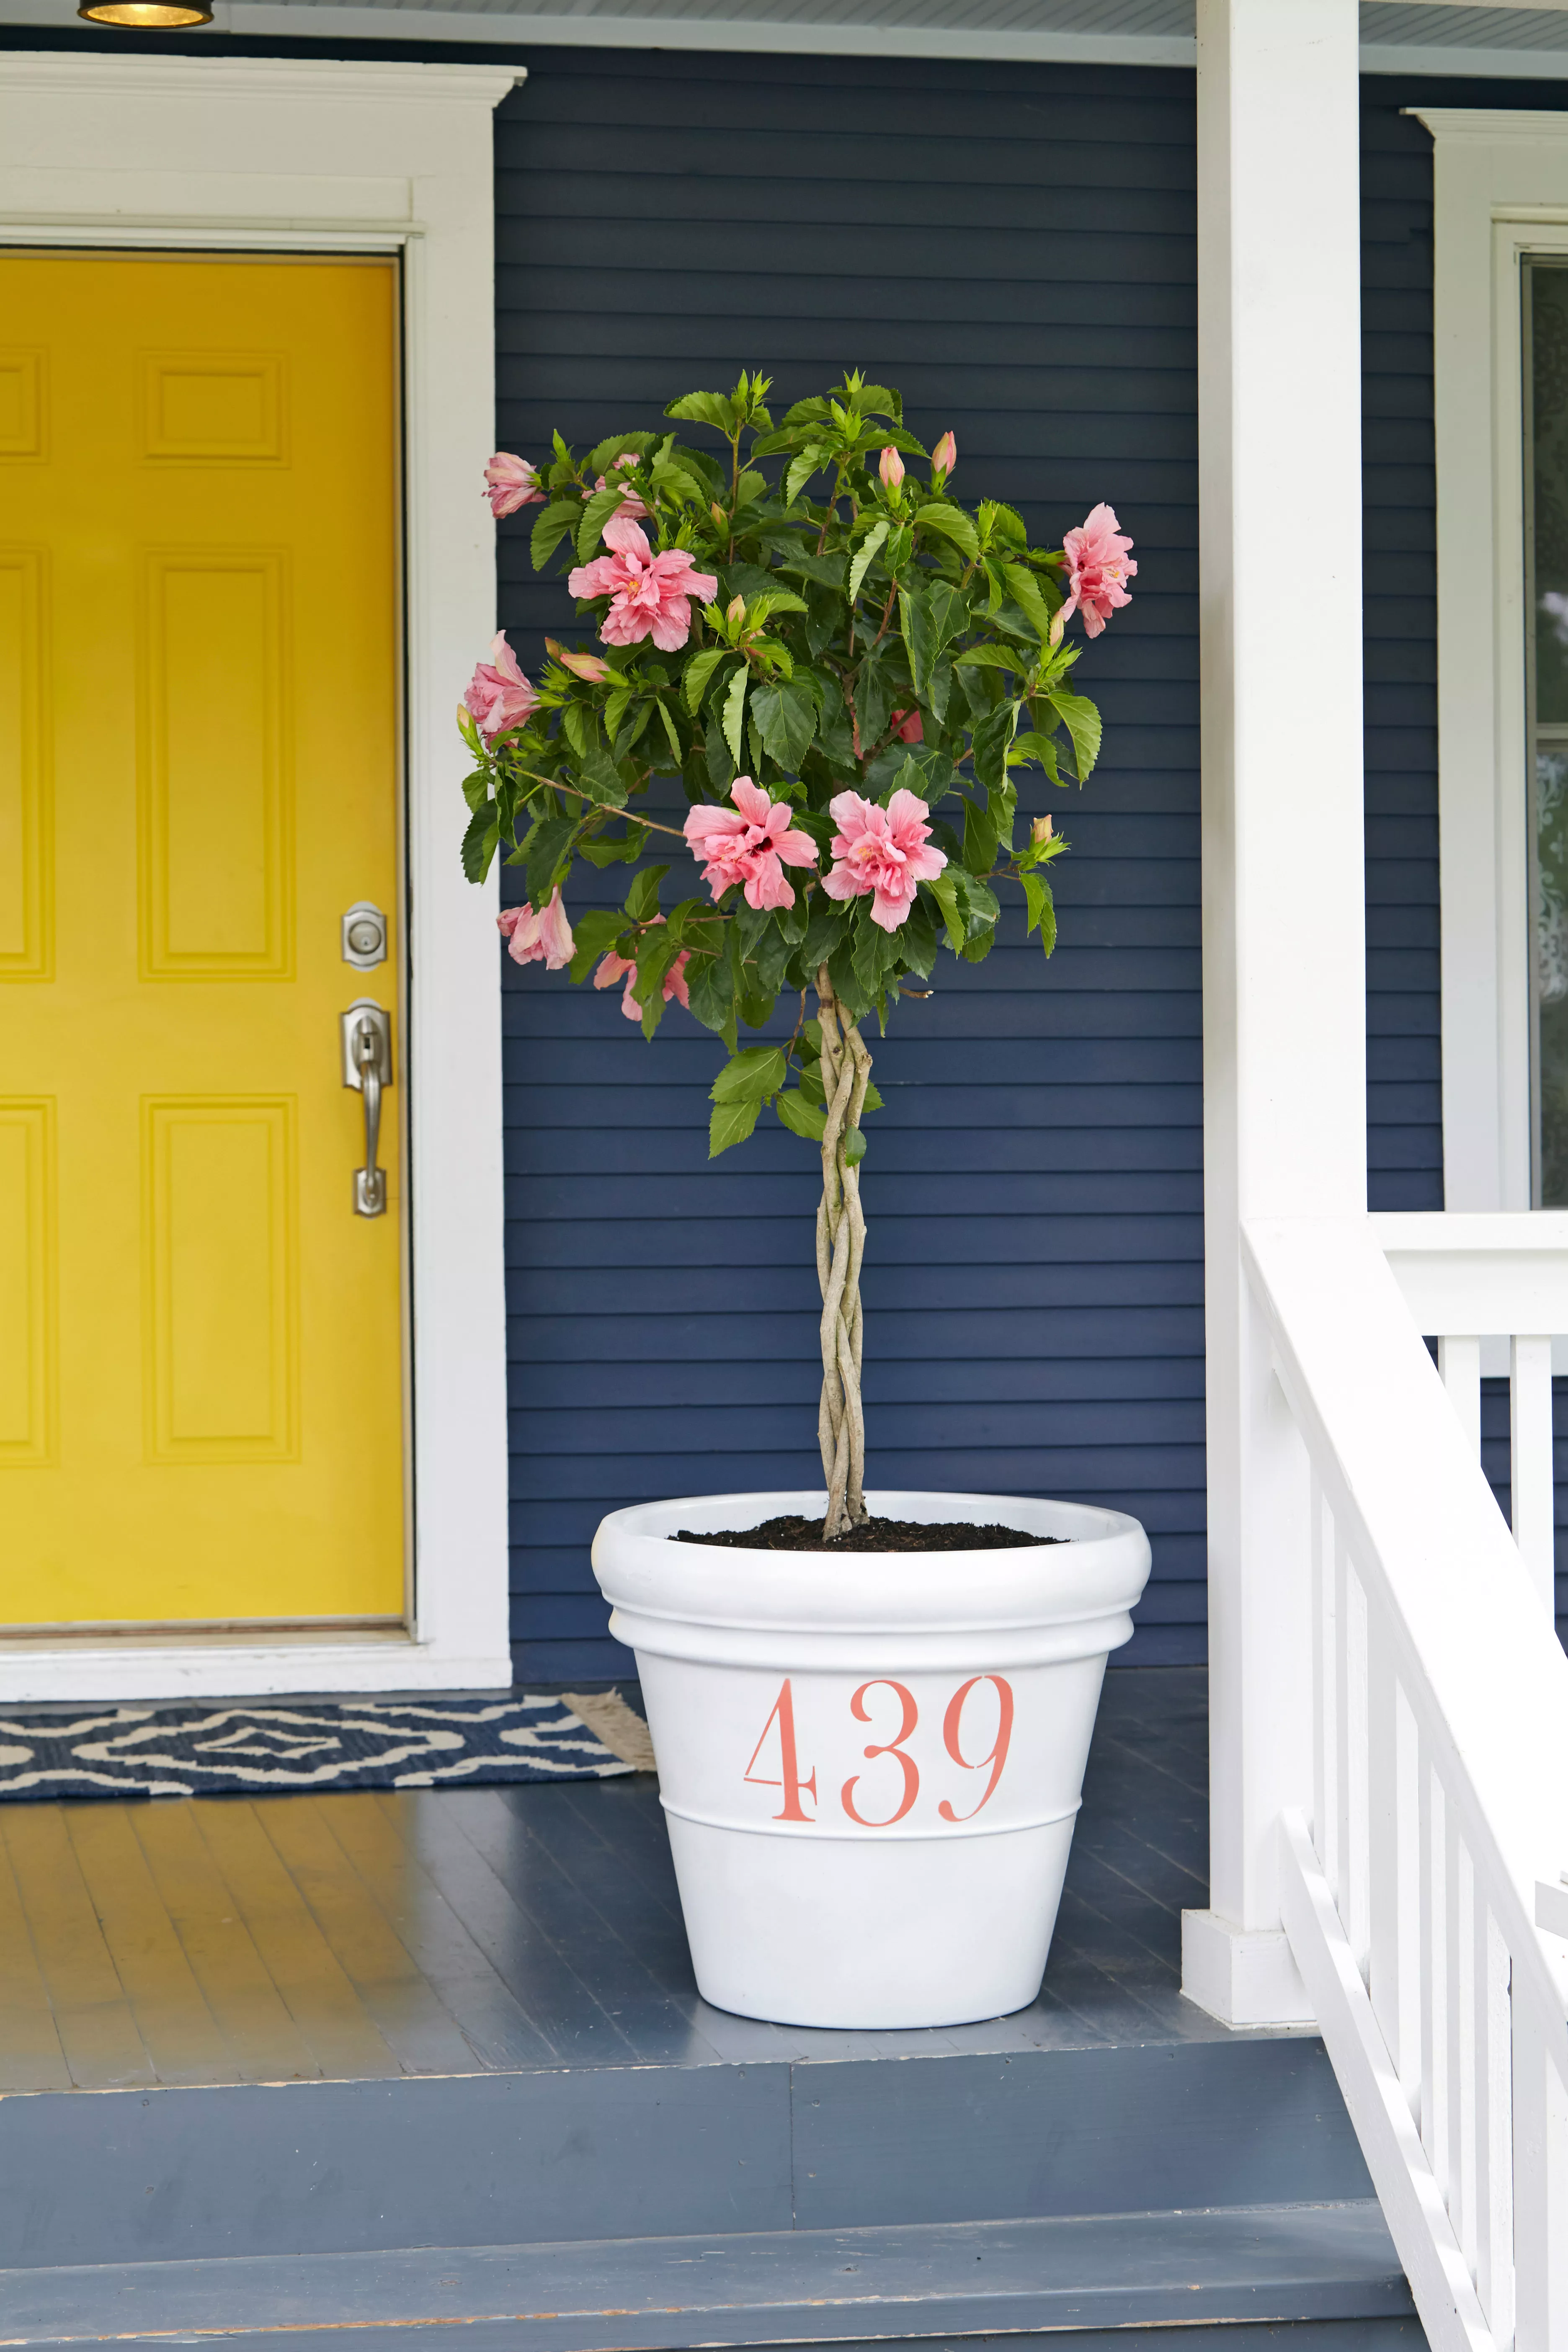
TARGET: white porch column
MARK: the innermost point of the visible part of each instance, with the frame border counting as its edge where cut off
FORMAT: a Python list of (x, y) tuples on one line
[(1283, 974)]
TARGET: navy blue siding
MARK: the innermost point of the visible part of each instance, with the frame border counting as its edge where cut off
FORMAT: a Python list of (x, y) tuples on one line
[(1014, 247), (1404, 1119)]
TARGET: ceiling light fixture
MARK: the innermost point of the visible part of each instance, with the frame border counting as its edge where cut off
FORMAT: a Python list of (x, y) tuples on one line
[(146, 15)]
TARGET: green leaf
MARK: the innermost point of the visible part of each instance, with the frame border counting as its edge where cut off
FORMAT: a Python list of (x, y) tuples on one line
[(602, 457), (731, 1123), (865, 555), (616, 703), (705, 408), (600, 781), (1081, 720), (854, 1147), (829, 921), (642, 898), (808, 463), (827, 571), (952, 523), (801, 1117), (698, 670), (479, 842), (785, 718), (593, 935), (712, 987), (873, 1099), (1032, 746), (751, 1075), (944, 891), (991, 737), (577, 726), (674, 739), (989, 658), (979, 838), (595, 514), (1042, 909), (605, 850), (547, 847), (552, 527), (734, 712), (1027, 595)]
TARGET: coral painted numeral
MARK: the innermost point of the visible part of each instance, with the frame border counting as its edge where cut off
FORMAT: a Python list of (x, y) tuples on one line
[(998, 1754), (889, 1748), (792, 1784)]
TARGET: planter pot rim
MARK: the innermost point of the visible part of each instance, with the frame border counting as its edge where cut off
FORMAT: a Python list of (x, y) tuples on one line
[(1098, 1569)]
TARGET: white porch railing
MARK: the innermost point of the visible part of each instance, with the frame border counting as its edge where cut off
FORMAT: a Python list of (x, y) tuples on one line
[(1439, 1826)]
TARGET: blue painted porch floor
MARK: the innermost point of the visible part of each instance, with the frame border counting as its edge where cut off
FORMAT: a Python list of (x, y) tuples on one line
[(435, 2062), (453, 1931)]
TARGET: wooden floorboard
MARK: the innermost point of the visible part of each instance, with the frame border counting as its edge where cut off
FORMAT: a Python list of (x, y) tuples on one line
[(251, 2013), (441, 1931), (97, 2026)]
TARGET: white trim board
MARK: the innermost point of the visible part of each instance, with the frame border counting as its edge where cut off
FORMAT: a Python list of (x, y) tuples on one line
[(1501, 193), (294, 156)]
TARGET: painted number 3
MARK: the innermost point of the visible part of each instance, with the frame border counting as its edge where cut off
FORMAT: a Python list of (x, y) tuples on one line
[(794, 1788)]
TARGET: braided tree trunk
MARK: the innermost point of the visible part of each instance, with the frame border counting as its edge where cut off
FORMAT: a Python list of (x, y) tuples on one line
[(840, 1246)]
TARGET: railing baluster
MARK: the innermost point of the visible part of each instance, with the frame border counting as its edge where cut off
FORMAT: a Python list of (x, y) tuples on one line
[(1406, 2051), (1320, 1535), (1357, 1914), (1494, 2126), (1530, 1436), (1462, 2044), (1385, 1920), (1338, 1860), (1435, 2131), (1460, 1364), (1541, 2184)]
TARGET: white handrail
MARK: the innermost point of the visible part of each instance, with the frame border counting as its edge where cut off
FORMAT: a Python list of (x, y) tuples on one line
[(1439, 1801), (1471, 1278)]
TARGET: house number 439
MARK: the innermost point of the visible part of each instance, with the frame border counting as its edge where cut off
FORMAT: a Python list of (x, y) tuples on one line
[(869, 1705)]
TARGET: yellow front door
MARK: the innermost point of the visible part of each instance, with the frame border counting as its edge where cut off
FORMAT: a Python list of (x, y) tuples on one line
[(201, 1342)]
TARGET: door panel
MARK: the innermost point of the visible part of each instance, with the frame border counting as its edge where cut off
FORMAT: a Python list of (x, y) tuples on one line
[(201, 1344)]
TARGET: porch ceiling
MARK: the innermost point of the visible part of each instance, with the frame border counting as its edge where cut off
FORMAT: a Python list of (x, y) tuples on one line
[(1397, 36)]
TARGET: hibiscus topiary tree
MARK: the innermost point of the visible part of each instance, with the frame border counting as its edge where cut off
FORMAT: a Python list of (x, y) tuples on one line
[(850, 675)]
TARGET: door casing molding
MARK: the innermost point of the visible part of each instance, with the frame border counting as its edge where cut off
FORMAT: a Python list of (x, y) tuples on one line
[(297, 156), (1500, 194)]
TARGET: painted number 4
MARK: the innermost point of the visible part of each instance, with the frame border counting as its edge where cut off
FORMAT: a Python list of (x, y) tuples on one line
[(794, 1787)]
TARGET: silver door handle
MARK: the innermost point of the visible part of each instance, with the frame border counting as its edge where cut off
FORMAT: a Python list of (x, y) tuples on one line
[(367, 1064)]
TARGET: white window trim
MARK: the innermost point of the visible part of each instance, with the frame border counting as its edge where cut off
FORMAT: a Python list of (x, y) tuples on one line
[(301, 156), (1500, 194)]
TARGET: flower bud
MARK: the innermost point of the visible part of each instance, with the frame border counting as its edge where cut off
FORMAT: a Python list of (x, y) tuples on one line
[(736, 609), (890, 467), (945, 457), (1041, 829)]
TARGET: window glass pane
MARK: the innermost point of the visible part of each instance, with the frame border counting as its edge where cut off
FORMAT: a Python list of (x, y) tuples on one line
[(1546, 447)]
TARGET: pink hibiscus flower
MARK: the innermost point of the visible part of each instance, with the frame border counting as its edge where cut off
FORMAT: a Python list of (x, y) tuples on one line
[(883, 851), (613, 967), (534, 938), (751, 844), (512, 483), (650, 595), (498, 695), (908, 727), (630, 502), (1096, 570)]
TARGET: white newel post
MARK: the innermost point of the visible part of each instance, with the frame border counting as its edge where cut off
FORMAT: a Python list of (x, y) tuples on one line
[(1284, 973)]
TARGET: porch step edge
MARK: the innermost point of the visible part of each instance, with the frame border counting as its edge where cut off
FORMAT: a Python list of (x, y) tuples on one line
[(1273, 2264)]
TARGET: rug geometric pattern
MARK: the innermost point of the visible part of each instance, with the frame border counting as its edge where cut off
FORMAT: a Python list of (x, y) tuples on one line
[(265, 1747)]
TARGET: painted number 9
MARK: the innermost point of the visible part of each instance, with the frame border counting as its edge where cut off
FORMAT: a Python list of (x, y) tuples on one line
[(996, 1755)]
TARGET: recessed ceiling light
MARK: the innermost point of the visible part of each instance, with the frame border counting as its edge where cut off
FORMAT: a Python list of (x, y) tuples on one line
[(146, 15)]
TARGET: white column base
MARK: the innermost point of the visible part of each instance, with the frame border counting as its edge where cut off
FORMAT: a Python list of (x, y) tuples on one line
[(1242, 1976)]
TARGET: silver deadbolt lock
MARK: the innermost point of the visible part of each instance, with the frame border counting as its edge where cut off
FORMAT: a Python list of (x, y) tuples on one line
[(364, 936)]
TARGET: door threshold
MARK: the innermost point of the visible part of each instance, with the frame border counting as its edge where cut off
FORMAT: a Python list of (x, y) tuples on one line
[(95, 1664)]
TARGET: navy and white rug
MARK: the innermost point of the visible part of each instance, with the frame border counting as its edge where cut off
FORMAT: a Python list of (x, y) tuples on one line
[(271, 1747)]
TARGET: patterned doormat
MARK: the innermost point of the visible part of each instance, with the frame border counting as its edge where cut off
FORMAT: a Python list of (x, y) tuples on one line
[(269, 1747)]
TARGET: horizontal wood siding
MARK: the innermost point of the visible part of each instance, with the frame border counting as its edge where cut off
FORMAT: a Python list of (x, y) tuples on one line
[(1014, 247)]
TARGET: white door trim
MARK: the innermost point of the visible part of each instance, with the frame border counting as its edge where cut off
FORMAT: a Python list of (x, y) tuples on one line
[(295, 156), (1501, 193)]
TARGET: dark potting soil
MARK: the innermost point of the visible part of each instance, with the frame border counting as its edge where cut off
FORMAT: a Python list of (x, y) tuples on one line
[(791, 1533)]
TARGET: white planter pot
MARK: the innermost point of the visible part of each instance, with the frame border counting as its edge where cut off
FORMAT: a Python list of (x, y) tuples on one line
[(828, 1730)]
